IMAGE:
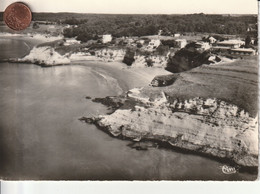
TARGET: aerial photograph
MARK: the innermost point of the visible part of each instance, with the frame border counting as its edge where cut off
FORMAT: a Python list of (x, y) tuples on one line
[(129, 90)]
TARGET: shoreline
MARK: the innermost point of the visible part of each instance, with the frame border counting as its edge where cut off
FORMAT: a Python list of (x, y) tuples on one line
[(112, 125), (253, 170), (129, 78)]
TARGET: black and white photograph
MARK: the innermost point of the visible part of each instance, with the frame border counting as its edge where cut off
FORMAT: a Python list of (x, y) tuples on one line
[(129, 90)]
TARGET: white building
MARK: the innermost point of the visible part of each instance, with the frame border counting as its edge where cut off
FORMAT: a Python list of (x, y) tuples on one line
[(141, 42), (243, 51), (231, 43), (177, 35), (181, 43), (212, 40), (202, 46), (153, 44), (106, 38)]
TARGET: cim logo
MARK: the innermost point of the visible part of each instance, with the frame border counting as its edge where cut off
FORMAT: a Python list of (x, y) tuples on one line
[(228, 169)]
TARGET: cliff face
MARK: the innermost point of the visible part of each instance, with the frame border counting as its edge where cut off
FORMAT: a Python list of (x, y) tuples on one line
[(48, 56), (45, 56), (108, 54), (209, 126), (131, 59), (150, 61)]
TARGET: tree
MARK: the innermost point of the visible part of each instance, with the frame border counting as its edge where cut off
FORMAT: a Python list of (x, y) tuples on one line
[(68, 32), (129, 57), (162, 50), (186, 59), (247, 41), (36, 25), (149, 62)]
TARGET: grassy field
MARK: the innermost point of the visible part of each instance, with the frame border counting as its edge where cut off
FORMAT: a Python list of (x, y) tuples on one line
[(236, 83)]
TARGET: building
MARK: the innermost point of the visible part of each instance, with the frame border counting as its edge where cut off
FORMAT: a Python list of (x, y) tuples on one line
[(212, 40), (242, 51), (106, 38), (220, 49), (71, 41), (177, 35), (141, 42), (153, 44), (230, 43), (202, 46), (181, 43)]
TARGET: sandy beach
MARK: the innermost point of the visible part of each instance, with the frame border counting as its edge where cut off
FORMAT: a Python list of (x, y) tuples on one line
[(127, 78)]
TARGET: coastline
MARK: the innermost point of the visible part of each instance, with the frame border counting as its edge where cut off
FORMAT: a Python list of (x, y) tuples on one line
[(128, 78), (144, 98)]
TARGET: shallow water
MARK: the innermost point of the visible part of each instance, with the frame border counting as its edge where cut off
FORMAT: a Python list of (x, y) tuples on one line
[(42, 138)]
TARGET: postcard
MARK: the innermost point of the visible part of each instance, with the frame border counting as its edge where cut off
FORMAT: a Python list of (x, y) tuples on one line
[(129, 90)]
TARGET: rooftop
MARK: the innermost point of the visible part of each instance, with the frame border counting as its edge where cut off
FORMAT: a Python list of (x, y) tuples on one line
[(231, 42), (243, 50)]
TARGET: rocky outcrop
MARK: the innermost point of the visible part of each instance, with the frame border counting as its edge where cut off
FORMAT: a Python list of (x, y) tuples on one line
[(165, 80), (150, 61), (208, 126), (45, 56)]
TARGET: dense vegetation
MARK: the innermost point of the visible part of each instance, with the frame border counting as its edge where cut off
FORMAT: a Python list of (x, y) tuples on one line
[(141, 25), (90, 25), (186, 59)]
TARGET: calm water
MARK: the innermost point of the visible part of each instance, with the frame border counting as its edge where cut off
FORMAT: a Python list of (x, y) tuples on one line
[(42, 138)]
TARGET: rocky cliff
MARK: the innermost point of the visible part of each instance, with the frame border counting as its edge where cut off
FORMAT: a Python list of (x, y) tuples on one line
[(209, 126), (150, 61), (45, 56), (109, 54)]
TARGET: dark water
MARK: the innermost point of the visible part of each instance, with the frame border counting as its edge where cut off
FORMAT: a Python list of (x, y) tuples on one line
[(42, 138), (8, 48)]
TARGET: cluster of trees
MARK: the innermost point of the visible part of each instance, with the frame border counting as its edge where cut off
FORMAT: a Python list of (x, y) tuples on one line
[(249, 43), (129, 57), (186, 59), (169, 43), (36, 25), (82, 33), (141, 25), (74, 21)]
